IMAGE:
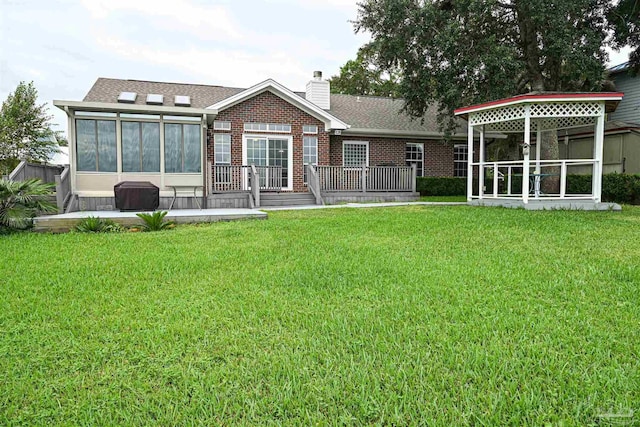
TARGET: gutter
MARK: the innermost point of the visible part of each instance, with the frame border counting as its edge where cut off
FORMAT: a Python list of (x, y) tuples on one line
[(412, 134), (131, 108)]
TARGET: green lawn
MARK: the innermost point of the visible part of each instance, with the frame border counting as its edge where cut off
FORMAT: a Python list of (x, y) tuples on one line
[(443, 199), (410, 315)]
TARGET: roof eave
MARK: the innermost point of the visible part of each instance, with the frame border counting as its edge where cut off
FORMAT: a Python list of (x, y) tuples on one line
[(528, 98), (131, 108)]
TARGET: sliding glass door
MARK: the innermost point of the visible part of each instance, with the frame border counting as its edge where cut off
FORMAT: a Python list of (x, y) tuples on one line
[(269, 151)]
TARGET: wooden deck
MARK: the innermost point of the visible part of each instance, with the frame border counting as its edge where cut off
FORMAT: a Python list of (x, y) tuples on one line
[(65, 222)]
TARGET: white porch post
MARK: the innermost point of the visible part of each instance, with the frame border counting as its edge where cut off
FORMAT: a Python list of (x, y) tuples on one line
[(469, 160), (481, 159), (525, 163), (538, 144), (597, 155)]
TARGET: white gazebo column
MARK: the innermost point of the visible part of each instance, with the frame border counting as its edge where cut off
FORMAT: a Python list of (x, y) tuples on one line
[(525, 163), (481, 159), (469, 161), (598, 145), (538, 145)]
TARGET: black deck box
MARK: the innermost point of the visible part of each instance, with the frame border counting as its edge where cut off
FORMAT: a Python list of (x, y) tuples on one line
[(136, 196)]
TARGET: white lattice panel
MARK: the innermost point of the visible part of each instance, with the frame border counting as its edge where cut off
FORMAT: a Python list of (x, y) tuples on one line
[(564, 122), (566, 109), (497, 115), (513, 126)]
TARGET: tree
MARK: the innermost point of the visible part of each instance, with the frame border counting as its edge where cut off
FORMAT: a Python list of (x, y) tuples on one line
[(25, 129), (360, 76), (463, 52), (625, 18)]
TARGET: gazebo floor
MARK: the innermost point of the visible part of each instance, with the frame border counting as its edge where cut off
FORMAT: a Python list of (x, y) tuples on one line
[(539, 205)]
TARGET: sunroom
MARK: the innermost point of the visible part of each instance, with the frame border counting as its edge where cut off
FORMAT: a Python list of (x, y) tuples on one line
[(533, 182), (115, 142)]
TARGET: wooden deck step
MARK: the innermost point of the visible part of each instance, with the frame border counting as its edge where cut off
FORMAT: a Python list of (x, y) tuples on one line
[(286, 199)]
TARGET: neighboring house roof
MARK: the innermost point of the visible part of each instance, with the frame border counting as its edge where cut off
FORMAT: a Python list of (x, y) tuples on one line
[(618, 68), (61, 157), (364, 114), (611, 126)]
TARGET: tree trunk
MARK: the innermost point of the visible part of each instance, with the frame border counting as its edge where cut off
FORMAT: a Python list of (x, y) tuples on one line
[(549, 150)]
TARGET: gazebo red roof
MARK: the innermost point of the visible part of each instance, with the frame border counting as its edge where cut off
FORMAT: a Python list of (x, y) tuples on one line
[(613, 99)]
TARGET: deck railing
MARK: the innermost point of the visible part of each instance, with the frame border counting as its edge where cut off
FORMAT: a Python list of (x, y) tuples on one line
[(63, 189), (367, 178), (26, 170), (237, 178), (505, 179)]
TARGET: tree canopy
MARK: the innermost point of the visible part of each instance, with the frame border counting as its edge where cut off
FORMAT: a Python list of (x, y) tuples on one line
[(625, 18), (462, 52), (25, 128), (361, 76)]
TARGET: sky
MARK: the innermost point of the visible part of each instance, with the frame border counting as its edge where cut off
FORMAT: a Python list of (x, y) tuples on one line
[(63, 46)]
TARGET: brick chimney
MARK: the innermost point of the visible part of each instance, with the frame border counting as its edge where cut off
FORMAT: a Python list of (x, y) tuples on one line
[(318, 91)]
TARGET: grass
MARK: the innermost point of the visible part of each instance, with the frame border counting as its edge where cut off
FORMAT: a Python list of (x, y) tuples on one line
[(398, 316), (443, 199)]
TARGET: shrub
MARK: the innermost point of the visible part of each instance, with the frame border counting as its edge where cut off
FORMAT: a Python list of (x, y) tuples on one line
[(92, 224), (445, 186), (155, 221), (20, 201)]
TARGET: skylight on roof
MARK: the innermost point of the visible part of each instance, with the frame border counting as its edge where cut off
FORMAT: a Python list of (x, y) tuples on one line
[(154, 98), (183, 100), (127, 97)]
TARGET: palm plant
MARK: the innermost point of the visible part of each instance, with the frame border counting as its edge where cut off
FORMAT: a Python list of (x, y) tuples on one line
[(93, 224), (20, 201), (155, 221)]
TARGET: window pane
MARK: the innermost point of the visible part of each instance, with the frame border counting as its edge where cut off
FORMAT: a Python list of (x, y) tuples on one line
[(130, 147), (86, 145), (172, 148), (150, 147), (355, 154), (107, 160), (222, 149), (191, 148)]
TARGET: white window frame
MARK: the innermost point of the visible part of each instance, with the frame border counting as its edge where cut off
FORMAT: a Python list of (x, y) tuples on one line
[(421, 144), (455, 161), (304, 164), (289, 139), (310, 129), (354, 142), (221, 125), (215, 144), (267, 127)]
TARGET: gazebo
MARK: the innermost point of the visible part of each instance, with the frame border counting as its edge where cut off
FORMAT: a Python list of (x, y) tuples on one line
[(520, 183)]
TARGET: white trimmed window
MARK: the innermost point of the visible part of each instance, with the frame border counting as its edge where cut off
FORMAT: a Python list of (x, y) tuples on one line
[(460, 157), (355, 153), (310, 129), (218, 125), (414, 155), (267, 127), (309, 153), (222, 148)]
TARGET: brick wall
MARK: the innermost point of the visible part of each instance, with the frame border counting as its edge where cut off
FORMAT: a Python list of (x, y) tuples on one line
[(269, 108), (438, 156)]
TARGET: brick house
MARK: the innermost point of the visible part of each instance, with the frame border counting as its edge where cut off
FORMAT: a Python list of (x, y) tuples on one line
[(199, 142)]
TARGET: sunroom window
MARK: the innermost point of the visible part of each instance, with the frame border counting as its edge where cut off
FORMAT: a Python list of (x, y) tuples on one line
[(140, 147), (181, 148), (96, 145)]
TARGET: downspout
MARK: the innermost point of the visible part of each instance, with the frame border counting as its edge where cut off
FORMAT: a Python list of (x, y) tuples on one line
[(205, 164)]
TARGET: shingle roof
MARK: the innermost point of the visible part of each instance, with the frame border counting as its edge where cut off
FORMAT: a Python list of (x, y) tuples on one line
[(609, 126), (360, 112)]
